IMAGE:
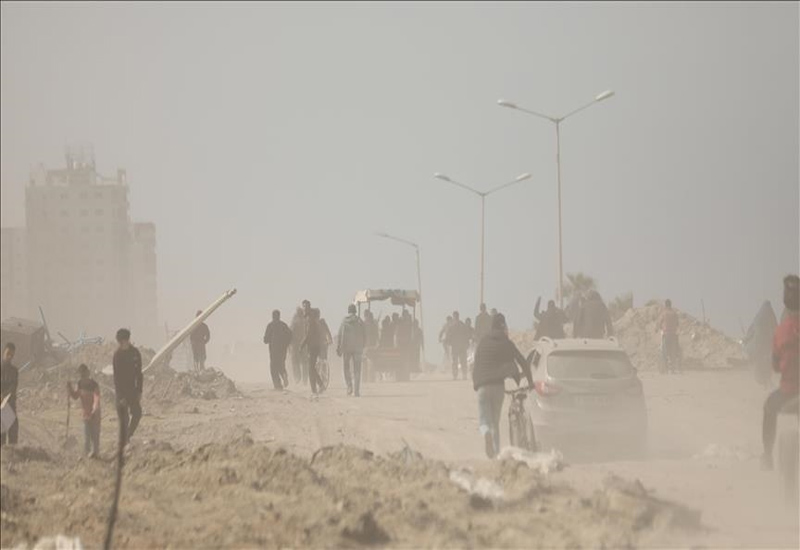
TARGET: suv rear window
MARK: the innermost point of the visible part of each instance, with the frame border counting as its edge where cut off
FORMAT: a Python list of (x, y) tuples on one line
[(589, 364)]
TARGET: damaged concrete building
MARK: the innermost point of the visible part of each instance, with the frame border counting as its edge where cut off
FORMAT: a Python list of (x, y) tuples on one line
[(80, 257)]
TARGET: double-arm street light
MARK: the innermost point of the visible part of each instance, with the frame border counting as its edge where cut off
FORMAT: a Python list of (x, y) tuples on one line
[(482, 195), (419, 277), (557, 121)]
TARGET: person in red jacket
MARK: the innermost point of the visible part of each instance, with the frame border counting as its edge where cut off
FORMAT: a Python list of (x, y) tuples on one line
[(786, 361)]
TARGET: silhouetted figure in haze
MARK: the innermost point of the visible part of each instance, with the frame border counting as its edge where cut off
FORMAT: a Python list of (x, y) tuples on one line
[(128, 384), (371, 329), (350, 347), (387, 333), (199, 338), (313, 343), (551, 321), (458, 338), (279, 337), (593, 320), (483, 324), (443, 338), (298, 334)]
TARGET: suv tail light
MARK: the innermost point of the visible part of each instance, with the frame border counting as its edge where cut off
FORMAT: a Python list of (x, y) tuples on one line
[(545, 389)]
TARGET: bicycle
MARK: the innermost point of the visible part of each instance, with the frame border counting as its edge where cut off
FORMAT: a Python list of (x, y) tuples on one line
[(520, 426)]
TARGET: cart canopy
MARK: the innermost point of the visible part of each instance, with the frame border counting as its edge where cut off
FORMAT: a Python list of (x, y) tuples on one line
[(397, 297)]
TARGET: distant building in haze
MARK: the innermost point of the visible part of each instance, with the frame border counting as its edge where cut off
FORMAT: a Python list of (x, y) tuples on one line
[(86, 264)]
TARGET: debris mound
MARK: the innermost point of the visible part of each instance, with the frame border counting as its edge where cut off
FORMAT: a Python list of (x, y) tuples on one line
[(344, 496), (702, 346)]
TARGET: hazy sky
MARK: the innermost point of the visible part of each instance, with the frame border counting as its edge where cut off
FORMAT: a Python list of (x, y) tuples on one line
[(269, 141)]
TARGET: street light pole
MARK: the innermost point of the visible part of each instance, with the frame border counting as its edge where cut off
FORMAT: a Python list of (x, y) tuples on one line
[(482, 195), (560, 245), (483, 239), (557, 121)]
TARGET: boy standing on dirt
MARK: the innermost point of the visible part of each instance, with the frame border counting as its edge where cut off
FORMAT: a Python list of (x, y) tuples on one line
[(9, 380), (88, 391), (785, 360), (128, 384)]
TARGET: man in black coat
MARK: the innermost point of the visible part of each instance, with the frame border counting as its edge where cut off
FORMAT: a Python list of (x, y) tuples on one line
[(279, 337)]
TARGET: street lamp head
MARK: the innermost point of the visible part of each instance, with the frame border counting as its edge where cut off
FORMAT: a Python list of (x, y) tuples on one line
[(523, 177), (506, 103), (604, 95), (440, 176)]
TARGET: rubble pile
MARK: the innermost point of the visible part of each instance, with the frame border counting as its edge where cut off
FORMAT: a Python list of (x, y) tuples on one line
[(342, 496), (43, 385), (638, 333), (702, 346), (166, 385)]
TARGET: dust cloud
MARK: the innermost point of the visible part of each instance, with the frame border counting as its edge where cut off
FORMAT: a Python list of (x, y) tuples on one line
[(189, 173)]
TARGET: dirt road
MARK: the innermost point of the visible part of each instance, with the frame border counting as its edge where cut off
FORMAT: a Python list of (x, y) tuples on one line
[(704, 447)]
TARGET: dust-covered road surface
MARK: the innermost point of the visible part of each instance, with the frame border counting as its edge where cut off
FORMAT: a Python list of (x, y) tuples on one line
[(704, 447)]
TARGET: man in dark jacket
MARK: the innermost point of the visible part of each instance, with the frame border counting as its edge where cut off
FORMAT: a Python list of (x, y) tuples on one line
[(494, 362), (199, 338), (9, 381), (128, 384), (350, 346), (593, 320), (279, 337), (458, 338), (551, 321)]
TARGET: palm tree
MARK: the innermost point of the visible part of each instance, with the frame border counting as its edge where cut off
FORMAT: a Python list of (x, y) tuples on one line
[(578, 282), (620, 305)]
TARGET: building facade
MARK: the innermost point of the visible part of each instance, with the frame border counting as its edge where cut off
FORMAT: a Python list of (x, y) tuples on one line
[(13, 273), (87, 265)]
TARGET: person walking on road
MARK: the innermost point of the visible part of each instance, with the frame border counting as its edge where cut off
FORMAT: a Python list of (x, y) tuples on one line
[(458, 338), (128, 384), (279, 337), (199, 338), (483, 324), (443, 338), (350, 346), (417, 346), (670, 346), (495, 361), (9, 382), (313, 343), (785, 360), (298, 333)]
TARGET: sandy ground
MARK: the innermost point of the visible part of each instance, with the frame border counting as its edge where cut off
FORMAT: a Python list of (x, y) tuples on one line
[(239, 472)]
